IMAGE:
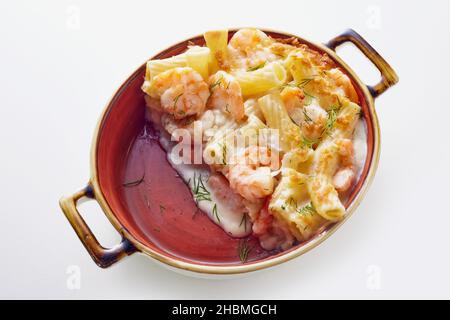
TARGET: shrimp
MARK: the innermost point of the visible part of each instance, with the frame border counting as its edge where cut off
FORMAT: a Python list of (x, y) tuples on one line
[(226, 95), (251, 175), (248, 39), (332, 87), (343, 178), (307, 114), (317, 73), (342, 83), (314, 121), (223, 192), (293, 98), (204, 122), (278, 236), (205, 126), (249, 48), (262, 221), (182, 92), (272, 232)]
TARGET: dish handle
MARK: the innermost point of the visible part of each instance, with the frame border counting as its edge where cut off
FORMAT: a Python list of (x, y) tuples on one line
[(388, 75), (103, 257)]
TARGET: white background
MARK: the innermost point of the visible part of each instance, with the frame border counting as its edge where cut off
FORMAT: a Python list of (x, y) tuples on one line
[(61, 61)]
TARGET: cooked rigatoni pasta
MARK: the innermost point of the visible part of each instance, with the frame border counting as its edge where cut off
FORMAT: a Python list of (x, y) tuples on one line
[(277, 117), (222, 148), (216, 41), (291, 203), (198, 59), (155, 67), (268, 77), (195, 57), (274, 122), (333, 152)]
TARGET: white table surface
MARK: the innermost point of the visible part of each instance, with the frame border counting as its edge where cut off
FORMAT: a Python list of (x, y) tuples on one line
[(61, 61)]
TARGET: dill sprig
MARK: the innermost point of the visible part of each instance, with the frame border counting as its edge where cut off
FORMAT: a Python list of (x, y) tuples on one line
[(308, 209), (215, 84), (176, 99), (289, 84), (309, 96), (331, 120), (332, 117), (244, 221), (215, 212), (199, 190), (224, 153), (309, 143), (259, 66), (305, 81), (135, 183), (243, 250), (291, 201), (307, 117)]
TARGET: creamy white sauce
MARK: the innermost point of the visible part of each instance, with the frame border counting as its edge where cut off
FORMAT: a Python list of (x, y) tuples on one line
[(360, 147), (217, 210)]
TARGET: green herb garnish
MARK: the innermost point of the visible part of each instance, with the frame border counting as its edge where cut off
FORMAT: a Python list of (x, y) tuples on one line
[(292, 202), (259, 66), (243, 250), (289, 84), (329, 125), (310, 98), (224, 153), (215, 84), (304, 82), (332, 117), (176, 100), (134, 183), (307, 117), (199, 189), (244, 221), (308, 209), (308, 142), (215, 212)]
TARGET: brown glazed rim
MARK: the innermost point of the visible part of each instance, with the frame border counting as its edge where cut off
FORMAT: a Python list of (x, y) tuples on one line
[(104, 257)]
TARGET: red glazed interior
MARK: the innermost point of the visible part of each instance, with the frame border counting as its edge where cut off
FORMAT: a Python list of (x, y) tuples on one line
[(160, 212)]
